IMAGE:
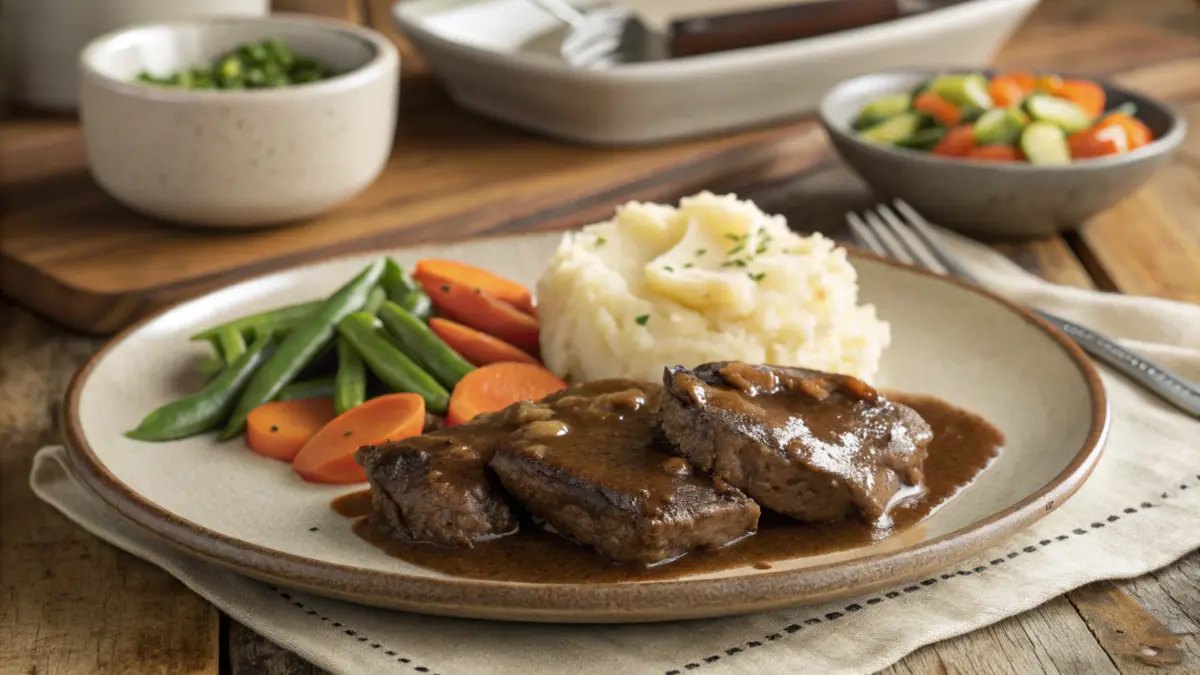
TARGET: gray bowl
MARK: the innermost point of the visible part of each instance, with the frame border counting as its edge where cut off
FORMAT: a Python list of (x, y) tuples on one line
[(996, 200)]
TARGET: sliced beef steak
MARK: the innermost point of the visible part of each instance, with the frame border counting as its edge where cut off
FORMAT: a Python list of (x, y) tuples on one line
[(591, 469), (435, 488), (814, 446)]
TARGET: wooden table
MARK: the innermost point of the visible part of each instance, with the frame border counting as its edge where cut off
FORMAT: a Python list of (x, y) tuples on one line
[(72, 604)]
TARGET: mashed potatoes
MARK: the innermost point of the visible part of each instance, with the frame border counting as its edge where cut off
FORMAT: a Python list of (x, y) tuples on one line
[(714, 279)]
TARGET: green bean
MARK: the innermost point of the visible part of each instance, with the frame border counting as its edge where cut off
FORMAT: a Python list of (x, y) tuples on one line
[(350, 385), (212, 363), (403, 291), (420, 344), (205, 409), (232, 344), (263, 321), (389, 363), (302, 345), (375, 300), (321, 387)]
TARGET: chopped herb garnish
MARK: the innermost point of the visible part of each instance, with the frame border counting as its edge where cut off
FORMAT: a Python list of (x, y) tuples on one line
[(445, 289), (701, 251), (641, 320), (668, 268), (733, 237), (348, 433), (761, 249), (739, 263), (687, 265), (600, 241), (756, 277), (274, 428), (736, 249)]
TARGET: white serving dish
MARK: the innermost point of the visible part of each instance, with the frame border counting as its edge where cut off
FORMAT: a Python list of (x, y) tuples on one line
[(500, 58)]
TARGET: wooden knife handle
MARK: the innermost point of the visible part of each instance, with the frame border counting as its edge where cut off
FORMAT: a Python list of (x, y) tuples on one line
[(705, 34)]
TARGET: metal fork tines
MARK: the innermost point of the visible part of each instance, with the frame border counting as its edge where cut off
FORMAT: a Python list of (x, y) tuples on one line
[(907, 237)]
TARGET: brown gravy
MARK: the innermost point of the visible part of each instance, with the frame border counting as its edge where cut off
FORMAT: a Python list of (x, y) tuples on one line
[(963, 445)]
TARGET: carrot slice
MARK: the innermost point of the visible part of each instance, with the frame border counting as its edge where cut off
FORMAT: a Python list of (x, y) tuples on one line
[(957, 142), (328, 457), (1026, 81), (431, 273), (1139, 134), (942, 110), (497, 386), (996, 153), (478, 348), (280, 428), (1100, 140), (482, 311), (1006, 91), (1084, 93)]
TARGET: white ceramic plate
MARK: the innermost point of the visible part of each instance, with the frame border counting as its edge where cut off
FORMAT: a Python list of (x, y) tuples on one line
[(226, 504), (500, 58)]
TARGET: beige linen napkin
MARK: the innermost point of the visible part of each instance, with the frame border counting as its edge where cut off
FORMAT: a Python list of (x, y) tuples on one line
[(1138, 512)]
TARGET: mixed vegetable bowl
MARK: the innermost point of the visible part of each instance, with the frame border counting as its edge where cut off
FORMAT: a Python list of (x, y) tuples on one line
[(384, 357), (1008, 117)]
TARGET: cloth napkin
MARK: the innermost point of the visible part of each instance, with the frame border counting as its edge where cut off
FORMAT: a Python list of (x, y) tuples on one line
[(1137, 513)]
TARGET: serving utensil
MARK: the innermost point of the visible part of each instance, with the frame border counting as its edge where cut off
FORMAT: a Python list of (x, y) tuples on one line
[(605, 36), (913, 240)]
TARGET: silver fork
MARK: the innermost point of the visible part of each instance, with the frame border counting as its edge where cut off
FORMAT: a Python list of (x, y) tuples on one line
[(913, 240)]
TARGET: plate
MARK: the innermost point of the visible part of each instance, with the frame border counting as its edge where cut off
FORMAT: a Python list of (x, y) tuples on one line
[(228, 505), (500, 58)]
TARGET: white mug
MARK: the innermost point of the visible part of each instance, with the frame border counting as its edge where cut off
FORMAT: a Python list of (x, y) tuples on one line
[(41, 39)]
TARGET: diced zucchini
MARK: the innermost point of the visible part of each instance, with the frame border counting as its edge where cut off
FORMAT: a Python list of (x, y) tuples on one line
[(971, 113), (963, 90), (1046, 144), (893, 130), (867, 121), (923, 139), (1126, 108), (999, 125), (887, 105), (1057, 111)]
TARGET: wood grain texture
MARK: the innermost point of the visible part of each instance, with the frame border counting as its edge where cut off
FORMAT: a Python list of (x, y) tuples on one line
[(70, 603), (50, 569), (251, 654), (93, 265)]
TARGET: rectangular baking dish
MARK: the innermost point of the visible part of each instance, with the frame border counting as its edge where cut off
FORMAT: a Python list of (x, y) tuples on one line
[(500, 58)]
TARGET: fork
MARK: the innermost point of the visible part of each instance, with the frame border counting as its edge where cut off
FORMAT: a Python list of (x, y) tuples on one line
[(913, 240)]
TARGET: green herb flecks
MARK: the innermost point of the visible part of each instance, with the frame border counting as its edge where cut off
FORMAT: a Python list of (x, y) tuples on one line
[(641, 320)]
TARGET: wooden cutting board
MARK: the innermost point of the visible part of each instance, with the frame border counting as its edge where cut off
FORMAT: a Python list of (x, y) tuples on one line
[(72, 253)]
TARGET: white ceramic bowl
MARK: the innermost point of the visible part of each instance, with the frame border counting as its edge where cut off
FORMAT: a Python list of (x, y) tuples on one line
[(237, 158), (500, 58)]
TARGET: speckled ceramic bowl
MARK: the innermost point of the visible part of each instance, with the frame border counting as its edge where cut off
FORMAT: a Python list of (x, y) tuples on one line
[(237, 158), (988, 199)]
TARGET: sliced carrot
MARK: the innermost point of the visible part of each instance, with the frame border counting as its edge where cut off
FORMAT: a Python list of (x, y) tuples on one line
[(482, 311), (1139, 134), (478, 348), (279, 429), (1007, 91), (1026, 81), (1100, 140), (431, 273), (328, 457), (1084, 93), (939, 108), (995, 153), (957, 142), (1048, 83), (497, 386)]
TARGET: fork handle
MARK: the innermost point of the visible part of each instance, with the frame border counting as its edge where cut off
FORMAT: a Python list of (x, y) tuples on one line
[(1169, 386)]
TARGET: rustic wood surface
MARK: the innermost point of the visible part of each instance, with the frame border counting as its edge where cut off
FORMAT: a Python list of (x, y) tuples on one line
[(72, 604)]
